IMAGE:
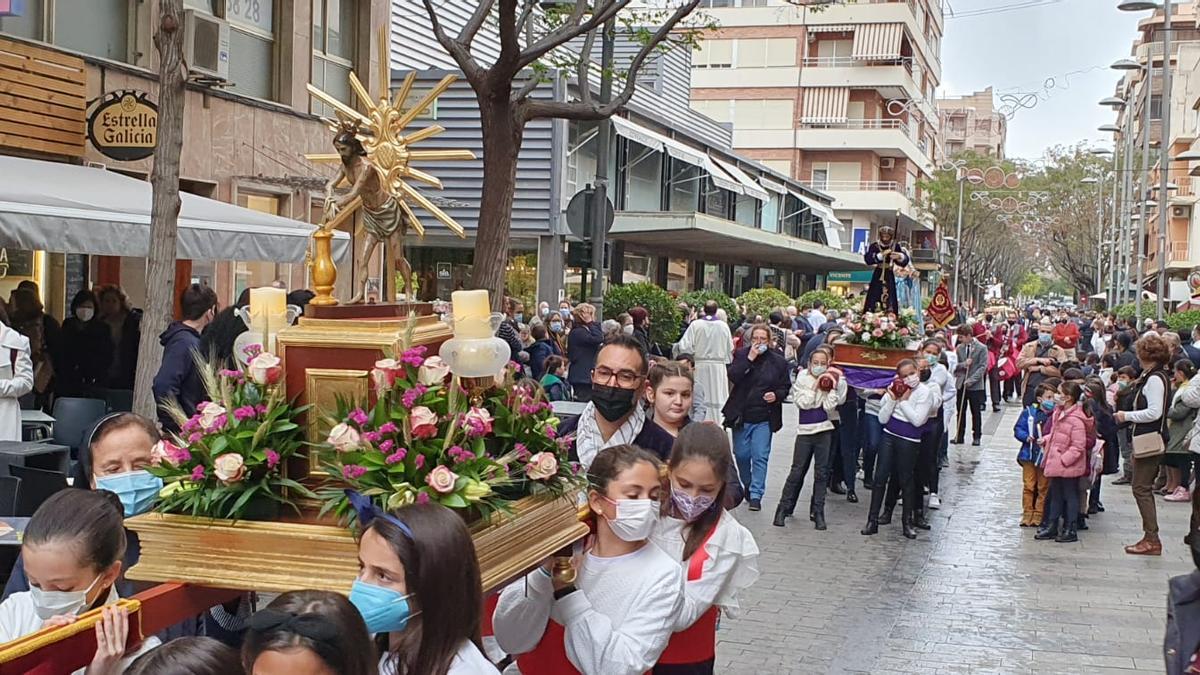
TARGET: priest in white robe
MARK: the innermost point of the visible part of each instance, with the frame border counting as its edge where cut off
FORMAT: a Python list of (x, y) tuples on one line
[(709, 341)]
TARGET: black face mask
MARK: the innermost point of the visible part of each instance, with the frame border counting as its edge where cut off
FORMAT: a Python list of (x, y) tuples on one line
[(612, 403), (926, 374)]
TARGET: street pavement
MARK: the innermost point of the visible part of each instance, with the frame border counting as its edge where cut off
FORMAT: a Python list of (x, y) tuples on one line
[(976, 594)]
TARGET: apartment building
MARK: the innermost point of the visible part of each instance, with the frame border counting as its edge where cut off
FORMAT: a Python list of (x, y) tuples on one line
[(842, 99), (1181, 253), (971, 123)]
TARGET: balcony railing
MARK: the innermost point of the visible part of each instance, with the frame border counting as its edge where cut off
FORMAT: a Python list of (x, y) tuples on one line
[(851, 62), (859, 124), (858, 186), (1179, 251)]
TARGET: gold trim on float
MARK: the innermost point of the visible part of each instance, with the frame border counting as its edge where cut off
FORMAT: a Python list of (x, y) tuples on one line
[(276, 557), (361, 333), (87, 621), (323, 386)]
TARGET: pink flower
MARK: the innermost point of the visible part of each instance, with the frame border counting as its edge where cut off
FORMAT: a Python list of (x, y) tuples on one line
[(358, 416), (353, 471), (384, 374), (212, 417), (442, 479), (198, 474), (371, 436), (229, 467), (251, 351), (904, 331), (542, 466), (230, 374), (195, 437), (877, 333), (419, 462), (173, 453), (260, 409), (433, 371), (478, 422), (244, 413), (459, 455), (388, 428), (414, 357), (386, 446), (551, 432), (344, 438), (397, 456), (522, 451), (265, 369), (422, 498), (410, 397), (192, 424), (423, 422), (272, 458)]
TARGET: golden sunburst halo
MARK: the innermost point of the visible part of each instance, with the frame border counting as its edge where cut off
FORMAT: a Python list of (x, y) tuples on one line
[(381, 131)]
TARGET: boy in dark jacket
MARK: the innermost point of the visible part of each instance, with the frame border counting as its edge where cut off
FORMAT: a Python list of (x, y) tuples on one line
[(553, 381), (177, 378), (542, 348), (1028, 430)]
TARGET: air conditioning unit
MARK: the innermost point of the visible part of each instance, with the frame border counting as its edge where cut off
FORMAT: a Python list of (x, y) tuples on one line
[(206, 45), (1181, 212), (887, 163)]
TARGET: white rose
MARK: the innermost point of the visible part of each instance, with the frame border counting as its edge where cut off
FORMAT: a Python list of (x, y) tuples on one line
[(208, 416), (230, 467), (344, 438), (866, 335), (433, 371), (265, 369)]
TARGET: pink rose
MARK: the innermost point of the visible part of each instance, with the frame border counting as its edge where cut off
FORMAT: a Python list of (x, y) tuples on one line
[(344, 438), (265, 369), (542, 466), (158, 453), (442, 479), (877, 333), (904, 331), (212, 417), (229, 467), (423, 422), (384, 374), (478, 420), (433, 371)]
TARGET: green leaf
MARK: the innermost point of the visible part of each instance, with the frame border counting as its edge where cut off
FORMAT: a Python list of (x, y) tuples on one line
[(454, 501)]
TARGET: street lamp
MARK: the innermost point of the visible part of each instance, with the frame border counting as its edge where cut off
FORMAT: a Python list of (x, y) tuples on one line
[(1109, 128), (1188, 156), (1113, 101), (1126, 64), (1138, 5), (1100, 152)]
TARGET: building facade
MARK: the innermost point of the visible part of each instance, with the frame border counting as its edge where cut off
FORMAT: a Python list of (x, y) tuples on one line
[(246, 129), (690, 212), (842, 100), (972, 123)]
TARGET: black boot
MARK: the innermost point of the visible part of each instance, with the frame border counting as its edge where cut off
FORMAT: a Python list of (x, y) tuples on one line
[(1048, 531), (780, 516), (872, 526), (852, 497), (920, 522), (906, 525), (885, 518), (838, 488), (812, 513), (1068, 535), (819, 520), (1081, 522)]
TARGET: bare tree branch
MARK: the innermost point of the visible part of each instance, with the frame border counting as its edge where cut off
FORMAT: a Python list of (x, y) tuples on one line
[(526, 12), (527, 88), (572, 28), (580, 111), (583, 68), (467, 34), (460, 54)]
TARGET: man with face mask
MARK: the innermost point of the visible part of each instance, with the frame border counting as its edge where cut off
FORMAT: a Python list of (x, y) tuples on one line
[(755, 408), (1040, 358), (177, 377)]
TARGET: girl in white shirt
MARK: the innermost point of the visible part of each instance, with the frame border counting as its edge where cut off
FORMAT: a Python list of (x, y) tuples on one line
[(73, 549), (616, 616), (308, 632), (907, 405), (817, 392), (718, 555), (419, 584)]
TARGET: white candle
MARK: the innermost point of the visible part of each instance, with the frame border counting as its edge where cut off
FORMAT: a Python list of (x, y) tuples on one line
[(268, 308), (472, 312)]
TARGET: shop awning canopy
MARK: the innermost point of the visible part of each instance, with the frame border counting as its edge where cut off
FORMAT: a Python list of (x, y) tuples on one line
[(704, 237), (66, 208), (833, 226)]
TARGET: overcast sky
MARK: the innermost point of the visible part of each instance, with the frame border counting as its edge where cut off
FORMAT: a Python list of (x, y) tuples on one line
[(1016, 51)]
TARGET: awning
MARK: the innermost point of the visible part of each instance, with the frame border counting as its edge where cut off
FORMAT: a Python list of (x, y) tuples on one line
[(751, 188), (656, 141), (720, 178), (68, 208), (831, 28), (877, 41), (778, 188), (826, 105), (833, 226)]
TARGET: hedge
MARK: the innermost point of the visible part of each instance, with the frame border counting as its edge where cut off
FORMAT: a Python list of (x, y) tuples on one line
[(830, 299), (665, 317), (1183, 320), (763, 301)]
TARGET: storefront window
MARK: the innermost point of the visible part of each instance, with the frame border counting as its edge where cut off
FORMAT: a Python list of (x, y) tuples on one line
[(713, 280), (793, 211), (746, 211), (643, 179), (640, 268), (520, 280), (685, 186), (581, 157), (716, 200), (257, 273), (769, 218), (767, 278), (679, 275), (742, 281)]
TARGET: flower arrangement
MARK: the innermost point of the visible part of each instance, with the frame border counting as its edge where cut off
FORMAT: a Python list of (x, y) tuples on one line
[(425, 440), (228, 459), (883, 331)]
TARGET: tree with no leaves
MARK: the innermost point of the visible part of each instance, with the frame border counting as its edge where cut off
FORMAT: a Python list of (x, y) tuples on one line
[(534, 37)]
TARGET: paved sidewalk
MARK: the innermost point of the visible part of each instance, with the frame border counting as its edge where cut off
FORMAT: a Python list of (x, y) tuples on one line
[(975, 595)]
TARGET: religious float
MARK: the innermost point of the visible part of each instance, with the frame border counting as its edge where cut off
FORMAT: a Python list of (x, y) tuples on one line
[(386, 404), (873, 345)]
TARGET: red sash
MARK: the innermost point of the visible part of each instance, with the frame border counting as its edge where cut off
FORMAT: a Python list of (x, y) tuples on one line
[(549, 657), (489, 609), (698, 642)]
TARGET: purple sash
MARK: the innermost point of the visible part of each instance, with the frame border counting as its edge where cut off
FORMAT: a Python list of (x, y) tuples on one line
[(813, 416), (904, 429)]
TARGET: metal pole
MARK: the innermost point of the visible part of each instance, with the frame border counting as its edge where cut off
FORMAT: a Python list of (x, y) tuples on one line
[(1126, 207), (1164, 162), (1114, 241), (600, 196), (1099, 233), (958, 236), (1143, 181)]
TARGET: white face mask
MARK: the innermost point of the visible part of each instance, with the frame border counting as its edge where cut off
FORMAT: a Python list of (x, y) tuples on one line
[(85, 314), (628, 329), (817, 370), (56, 603), (912, 381), (635, 518)]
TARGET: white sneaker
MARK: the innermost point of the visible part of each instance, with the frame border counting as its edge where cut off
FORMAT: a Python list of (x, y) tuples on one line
[(934, 502)]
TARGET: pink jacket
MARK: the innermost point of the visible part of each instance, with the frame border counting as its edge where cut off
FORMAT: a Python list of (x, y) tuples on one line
[(1066, 444)]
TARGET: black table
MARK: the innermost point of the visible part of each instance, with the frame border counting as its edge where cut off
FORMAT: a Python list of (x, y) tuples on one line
[(34, 454)]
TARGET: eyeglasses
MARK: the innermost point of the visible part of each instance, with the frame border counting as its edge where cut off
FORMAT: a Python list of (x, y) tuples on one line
[(625, 378)]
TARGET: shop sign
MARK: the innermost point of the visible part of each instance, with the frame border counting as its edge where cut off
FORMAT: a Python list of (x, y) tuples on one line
[(16, 263), (859, 242), (124, 126), (849, 277)]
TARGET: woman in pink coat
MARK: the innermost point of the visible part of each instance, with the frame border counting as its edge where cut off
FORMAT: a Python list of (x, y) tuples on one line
[(1066, 460)]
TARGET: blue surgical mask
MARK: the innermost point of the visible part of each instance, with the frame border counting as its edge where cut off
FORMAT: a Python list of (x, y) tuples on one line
[(384, 610), (1045, 338), (817, 370), (932, 359), (519, 317), (137, 489), (1048, 405), (564, 312), (556, 328)]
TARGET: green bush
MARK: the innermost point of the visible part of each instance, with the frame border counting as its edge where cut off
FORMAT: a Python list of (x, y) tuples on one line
[(763, 301), (1183, 320), (698, 298), (832, 300), (1125, 311), (665, 317)]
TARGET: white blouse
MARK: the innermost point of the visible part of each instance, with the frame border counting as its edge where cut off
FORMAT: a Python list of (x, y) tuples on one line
[(732, 565), (618, 621), (467, 661)]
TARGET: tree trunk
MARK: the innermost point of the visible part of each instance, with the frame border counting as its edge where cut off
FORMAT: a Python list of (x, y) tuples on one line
[(164, 210), (502, 135)]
